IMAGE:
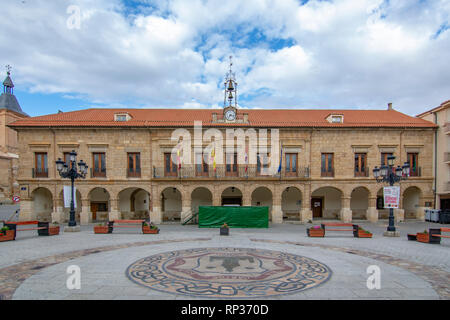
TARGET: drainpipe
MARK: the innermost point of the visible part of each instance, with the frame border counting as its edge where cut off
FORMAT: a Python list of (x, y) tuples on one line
[(435, 160)]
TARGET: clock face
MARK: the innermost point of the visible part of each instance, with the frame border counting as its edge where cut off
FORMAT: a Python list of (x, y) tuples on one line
[(230, 115)]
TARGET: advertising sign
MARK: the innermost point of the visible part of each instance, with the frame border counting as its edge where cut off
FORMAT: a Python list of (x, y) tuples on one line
[(391, 197)]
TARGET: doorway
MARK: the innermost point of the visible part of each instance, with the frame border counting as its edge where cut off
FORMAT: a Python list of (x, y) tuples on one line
[(317, 207), (232, 201)]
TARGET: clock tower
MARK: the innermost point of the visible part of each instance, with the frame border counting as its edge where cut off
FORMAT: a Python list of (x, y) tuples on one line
[(230, 108)]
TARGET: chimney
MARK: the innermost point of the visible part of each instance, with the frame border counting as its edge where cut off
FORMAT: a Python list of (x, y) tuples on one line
[(214, 117), (245, 117), (390, 106)]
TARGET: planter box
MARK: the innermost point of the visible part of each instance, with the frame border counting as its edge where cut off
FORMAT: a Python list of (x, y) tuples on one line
[(9, 236), (147, 230), (319, 233), (101, 229), (412, 237), (53, 231), (423, 237), (426, 238), (224, 231), (363, 234)]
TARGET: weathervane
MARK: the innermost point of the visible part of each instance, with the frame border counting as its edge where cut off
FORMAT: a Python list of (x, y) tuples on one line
[(230, 87), (8, 69)]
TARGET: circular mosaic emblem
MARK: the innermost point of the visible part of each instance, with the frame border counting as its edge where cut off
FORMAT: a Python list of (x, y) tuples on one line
[(228, 272)]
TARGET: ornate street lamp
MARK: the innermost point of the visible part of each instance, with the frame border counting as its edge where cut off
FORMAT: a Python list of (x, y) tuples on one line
[(72, 172), (390, 174)]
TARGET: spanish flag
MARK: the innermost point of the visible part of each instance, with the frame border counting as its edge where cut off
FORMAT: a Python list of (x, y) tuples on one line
[(213, 156)]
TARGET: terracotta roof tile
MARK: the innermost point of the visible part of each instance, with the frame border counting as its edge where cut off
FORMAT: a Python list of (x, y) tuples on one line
[(257, 118)]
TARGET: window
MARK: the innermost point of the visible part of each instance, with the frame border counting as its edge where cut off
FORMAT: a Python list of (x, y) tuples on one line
[(384, 160), (327, 165), (291, 164), (170, 168), (231, 166), (134, 165), (360, 165), (41, 169), (413, 164), (336, 119), (201, 167), (99, 165), (121, 117), (262, 164), (67, 159)]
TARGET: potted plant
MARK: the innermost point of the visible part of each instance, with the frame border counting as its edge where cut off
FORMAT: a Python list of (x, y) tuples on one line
[(224, 230), (363, 233), (423, 236), (53, 230), (101, 228), (6, 234), (315, 231), (149, 229)]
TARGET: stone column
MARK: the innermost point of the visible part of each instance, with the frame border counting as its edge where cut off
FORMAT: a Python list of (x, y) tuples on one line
[(86, 214), (114, 213), (156, 214), (246, 198), (372, 212), (186, 210), (399, 215), (306, 212), (58, 215), (346, 212), (26, 210), (277, 212), (217, 200)]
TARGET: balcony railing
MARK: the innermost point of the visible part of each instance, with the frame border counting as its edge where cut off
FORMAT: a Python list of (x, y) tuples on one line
[(39, 173), (98, 174), (364, 173), (134, 174), (416, 173), (243, 172), (327, 173)]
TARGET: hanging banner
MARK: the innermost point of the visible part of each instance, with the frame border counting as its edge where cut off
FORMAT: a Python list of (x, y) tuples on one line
[(391, 197), (67, 197)]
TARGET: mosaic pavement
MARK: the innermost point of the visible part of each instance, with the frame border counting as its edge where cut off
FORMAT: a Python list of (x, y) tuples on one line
[(228, 272)]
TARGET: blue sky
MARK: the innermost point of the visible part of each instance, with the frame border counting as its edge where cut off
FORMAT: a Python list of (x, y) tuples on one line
[(352, 54)]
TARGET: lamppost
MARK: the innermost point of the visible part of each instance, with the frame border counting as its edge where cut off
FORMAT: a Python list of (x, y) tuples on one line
[(72, 173), (391, 175)]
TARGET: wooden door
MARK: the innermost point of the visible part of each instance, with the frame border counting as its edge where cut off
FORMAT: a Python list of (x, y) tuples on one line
[(316, 206), (94, 209)]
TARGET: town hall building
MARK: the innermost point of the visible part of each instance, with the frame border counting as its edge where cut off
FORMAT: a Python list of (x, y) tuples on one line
[(324, 158)]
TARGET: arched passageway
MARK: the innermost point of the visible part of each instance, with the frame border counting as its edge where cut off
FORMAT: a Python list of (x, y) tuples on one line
[(262, 197), (232, 197), (326, 203), (171, 204), (134, 203), (291, 203)]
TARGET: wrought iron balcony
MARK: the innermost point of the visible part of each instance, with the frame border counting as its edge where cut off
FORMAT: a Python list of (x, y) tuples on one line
[(221, 172), (364, 173), (134, 173), (39, 173), (98, 174)]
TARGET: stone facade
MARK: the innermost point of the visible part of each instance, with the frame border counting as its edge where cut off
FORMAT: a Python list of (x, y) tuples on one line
[(344, 196)]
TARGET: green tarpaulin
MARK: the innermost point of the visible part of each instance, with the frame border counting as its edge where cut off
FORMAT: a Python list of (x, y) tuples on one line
[(234, 217)]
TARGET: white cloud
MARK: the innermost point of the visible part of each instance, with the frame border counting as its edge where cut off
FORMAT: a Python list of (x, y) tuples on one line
[(348, 53)]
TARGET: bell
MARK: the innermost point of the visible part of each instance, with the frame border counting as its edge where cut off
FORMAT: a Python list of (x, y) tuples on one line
[(230, 86), (230, 96)]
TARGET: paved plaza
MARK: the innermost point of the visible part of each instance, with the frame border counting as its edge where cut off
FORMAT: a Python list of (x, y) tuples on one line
[(185, 262)]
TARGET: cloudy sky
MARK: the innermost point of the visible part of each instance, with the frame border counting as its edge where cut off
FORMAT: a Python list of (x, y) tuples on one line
[(349, 54)]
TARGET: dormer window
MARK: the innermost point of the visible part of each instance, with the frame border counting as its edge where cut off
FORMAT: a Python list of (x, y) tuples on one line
[(122, 117), (336, 118)]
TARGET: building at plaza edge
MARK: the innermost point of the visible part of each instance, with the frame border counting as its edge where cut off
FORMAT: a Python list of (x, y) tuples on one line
[(327, 158)]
